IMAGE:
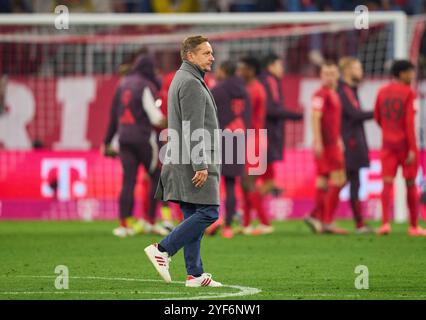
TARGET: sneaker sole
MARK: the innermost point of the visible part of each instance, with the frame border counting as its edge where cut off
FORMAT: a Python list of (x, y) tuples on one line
[(311, 226), (150, 255), (192, 285), (200, 286)]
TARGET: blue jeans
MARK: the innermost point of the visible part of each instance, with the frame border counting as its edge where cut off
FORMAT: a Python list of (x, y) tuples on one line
[(189, 233)]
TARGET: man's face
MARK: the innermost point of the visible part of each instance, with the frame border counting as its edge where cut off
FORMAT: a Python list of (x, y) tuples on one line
[(244, 71), (329, 76), (356, 72), (407, 76), (220, 74), (202, 56), (277, 68)]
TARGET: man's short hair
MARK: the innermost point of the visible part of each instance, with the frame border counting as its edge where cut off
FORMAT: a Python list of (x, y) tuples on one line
[(229, 67), (328, 63), (189, 44), (253, 63), (346, 62), (399, 66), (269, 59)]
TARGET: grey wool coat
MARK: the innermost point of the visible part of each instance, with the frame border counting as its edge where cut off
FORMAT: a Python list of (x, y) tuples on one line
[(191, 107)]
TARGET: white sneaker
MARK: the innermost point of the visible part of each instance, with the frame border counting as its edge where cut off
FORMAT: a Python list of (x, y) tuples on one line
[(314, 224), (138, 226), (160, 260), (160, 230), (123, 232), (147, 227), (168, 225), (205, 280), (248, 231), (263, 229)]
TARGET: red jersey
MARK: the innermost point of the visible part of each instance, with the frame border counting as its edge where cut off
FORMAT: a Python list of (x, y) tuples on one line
[(328, 102), (257, 95), (165, 86), (394, 112)]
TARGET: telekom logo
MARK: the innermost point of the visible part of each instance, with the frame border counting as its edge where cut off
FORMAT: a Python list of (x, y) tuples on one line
[(64, 184)]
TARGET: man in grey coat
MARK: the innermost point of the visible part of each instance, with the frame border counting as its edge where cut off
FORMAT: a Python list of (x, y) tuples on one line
[(191, 168)]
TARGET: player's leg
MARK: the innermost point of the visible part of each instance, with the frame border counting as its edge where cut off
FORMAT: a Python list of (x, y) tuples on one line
[(147, 155), (354, 181), (230, 205), (336, 183), (268, 182), (315, 218), (152, 204), (129, 163), (248, 186), (256, 198), (389, 167), (410, 173)]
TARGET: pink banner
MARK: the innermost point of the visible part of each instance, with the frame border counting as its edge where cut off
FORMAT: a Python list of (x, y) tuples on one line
[(85, 186)]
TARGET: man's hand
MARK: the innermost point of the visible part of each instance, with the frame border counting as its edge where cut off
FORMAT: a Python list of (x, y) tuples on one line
[(411, 157), (318, 149), (200, 178), (108, 151)]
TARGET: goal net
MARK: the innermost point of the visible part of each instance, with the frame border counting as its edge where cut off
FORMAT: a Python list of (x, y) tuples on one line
[(58, 84)]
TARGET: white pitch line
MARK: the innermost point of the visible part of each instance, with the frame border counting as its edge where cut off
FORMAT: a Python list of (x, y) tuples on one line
[(84, 292), (244, 291)]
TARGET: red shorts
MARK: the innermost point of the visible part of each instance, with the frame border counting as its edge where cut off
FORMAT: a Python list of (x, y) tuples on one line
[(391, 159), (332, 159)]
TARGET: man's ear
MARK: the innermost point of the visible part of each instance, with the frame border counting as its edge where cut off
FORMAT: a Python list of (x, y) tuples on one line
[(189, 56)]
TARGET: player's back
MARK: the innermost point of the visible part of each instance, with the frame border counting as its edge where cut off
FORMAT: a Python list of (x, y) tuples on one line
[(394, 112)]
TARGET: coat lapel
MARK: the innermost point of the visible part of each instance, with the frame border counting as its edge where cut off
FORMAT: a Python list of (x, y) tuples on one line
[(189, 67)]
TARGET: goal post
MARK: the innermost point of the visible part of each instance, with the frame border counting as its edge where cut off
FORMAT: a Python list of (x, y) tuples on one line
[(397, 19)]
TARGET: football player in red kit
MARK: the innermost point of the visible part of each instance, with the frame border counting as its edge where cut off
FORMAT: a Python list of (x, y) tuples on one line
[(328, 147), (394, 112), (249, 69)]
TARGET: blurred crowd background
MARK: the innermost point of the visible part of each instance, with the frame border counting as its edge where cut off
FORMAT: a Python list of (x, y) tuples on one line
[(410, 7)]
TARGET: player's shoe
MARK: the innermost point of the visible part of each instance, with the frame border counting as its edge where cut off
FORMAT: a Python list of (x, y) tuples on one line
[(332, 229), (364, 230), (168, 225), (160, 230), (227, 233), (262, 229), (384, 229), (123, 232), (247, 231), (416, 232), (205, 280), (314, 224), (138, 226), (160, 260), (212, 229)]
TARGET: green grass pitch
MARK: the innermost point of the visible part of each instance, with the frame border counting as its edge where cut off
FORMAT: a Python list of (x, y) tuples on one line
[(292, 263)]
